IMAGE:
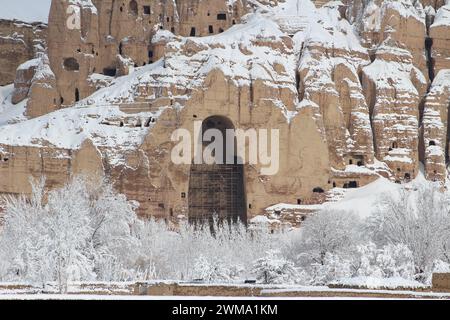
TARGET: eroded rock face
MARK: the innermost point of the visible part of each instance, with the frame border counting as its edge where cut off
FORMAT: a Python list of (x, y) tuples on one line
[(43, 93), (435, 126), (440, 40), (391, 92), (19, 42), (357, 89), (113, 36), (328, 74), (24, 77)]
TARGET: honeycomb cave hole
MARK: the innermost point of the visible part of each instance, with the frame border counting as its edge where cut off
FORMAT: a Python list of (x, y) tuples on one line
[(318, 190), (110, 72), (133, 8), (351, 185), (71, 64)]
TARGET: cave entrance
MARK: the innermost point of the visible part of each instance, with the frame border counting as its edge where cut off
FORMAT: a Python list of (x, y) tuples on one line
[(133, 8), (217, 189)]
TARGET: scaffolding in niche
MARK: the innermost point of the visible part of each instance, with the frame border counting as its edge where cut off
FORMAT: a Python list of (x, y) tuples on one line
[(216, 190)]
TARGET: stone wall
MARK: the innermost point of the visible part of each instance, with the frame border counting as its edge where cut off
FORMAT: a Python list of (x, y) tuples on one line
[(441, 282)]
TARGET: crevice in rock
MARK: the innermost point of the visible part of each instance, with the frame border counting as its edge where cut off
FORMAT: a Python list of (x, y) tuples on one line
[(429, 20), (430, 62), (298, 80), (111, 16), (252, 95), (447, 141), (299, 86)]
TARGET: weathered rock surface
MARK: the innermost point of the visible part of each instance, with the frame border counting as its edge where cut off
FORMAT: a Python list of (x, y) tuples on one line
[(357, 89), (19, 42), (435, 127)]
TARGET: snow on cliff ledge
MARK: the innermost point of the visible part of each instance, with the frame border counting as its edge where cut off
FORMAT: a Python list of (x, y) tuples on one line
[(25, 10)]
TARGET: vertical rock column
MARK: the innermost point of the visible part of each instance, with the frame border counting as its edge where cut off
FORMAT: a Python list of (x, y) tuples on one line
[(435, 127)]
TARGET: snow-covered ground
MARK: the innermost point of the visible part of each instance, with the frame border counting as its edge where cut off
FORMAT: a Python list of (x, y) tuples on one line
[(68, 128), (275, 293), (361, 201), (10, 113), (377, 283), (25, 10)]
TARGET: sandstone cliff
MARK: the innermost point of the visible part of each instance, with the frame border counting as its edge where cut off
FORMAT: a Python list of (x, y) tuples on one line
[(358, 89), (19, 42)]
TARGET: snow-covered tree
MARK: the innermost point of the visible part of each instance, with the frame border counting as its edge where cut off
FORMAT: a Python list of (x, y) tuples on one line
[(46, 237), (274, 269), (214, 270), (68, 234), (362, 260), (157, 250), (418, 219), (327, 232), (395, 261), (333, 267), (113, 221)]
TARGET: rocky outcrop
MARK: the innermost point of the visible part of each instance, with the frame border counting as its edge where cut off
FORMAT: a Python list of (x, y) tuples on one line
[(109, 37), (43, 94), (19, 42), (393, 87), (435, 128), (328, 74), (24, 77), (440, 40)]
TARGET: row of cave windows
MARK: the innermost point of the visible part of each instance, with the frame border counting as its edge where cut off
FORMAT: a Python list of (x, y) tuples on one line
[(121, 124), (395, 145), (210, 30), (71, 64), (133, 9), (318, 190), (348, 185), (77, 97)]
